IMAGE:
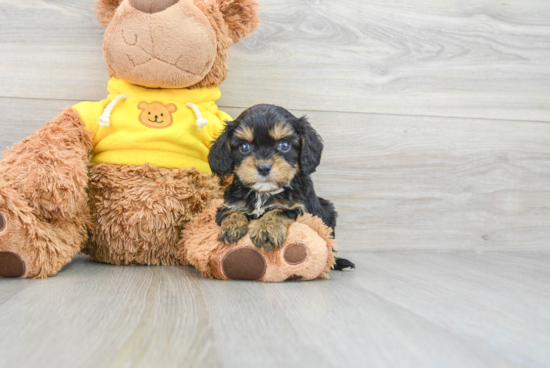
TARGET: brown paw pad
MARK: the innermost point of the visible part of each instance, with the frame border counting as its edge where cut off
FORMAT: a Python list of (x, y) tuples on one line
[(294, 278), (11, 265), (295, 254), (3, 223), (244, 264)]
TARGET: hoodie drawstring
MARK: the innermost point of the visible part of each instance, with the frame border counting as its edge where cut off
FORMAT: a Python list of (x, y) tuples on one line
[(201, 122), (105, 118)]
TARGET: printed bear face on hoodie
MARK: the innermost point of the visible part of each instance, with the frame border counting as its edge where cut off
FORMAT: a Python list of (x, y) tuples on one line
[(156, 114)]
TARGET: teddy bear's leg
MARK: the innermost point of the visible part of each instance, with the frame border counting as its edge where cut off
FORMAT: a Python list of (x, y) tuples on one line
[(138, 212), (306, 254), (43, 199)]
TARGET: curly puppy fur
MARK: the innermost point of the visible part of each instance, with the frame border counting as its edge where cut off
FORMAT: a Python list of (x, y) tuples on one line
[(234, 227), (271, 230)]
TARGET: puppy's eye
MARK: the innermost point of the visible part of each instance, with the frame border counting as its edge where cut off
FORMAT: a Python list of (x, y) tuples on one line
[(244, 148), (284, 146)]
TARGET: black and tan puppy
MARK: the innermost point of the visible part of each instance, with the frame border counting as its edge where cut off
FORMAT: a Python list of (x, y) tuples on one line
[(272, 154)]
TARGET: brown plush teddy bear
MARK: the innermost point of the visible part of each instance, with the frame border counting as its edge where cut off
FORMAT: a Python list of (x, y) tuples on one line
[(146, 195)]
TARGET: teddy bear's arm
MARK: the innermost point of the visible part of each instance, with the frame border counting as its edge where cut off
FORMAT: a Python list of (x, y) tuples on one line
[(43, 198), (49, 168)]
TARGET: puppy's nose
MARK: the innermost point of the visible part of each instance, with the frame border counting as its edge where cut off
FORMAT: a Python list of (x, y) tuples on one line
[(264, 168), (152, 6)]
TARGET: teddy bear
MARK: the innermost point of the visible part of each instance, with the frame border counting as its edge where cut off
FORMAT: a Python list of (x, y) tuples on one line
[(126, 180)]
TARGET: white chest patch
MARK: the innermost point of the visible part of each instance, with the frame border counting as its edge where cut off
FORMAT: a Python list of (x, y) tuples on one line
[(261, 200), (258, 206)]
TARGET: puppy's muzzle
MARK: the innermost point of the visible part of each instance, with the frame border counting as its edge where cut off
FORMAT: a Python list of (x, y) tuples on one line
[(264, 168)]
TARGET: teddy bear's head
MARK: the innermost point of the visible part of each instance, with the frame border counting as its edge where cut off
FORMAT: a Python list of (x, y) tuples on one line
[(173, 43)]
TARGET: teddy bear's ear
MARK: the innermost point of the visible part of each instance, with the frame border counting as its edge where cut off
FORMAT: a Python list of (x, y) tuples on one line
[(143, 105), (171, 108), (105, 10), (241, 16)]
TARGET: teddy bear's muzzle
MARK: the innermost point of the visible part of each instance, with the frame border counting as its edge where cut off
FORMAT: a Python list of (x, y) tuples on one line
[(152, 6)]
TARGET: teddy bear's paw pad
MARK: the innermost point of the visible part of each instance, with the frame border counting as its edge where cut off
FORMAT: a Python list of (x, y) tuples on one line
[(3, 224), (294, 278), (295, 254), (11, 265), (244, 264)]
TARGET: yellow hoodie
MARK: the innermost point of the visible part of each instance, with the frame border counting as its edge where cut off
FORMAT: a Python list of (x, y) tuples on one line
[(163, 127)]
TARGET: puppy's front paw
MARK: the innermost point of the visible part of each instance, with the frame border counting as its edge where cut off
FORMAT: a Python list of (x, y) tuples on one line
[(269, 235), (229, 236), (233, 228)]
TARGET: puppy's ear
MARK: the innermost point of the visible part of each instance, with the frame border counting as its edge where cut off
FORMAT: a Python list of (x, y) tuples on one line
[(241, 17), (219, 158), (312, 146), (105, 10)]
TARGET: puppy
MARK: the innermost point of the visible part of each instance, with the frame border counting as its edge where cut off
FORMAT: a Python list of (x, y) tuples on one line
[(272, 155)]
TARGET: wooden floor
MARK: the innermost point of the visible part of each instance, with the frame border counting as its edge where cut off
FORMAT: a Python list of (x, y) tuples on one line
[(398, 309), (436, 119)]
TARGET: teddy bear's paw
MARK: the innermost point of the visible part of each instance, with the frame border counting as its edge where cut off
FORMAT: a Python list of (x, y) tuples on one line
[(247, 263), (244, 263), (11, 264), (305, 255), (291, 263), (269, 235), (294, 255)]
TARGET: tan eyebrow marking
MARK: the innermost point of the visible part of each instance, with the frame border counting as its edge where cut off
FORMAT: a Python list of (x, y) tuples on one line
[(280, 130), (246, 133)]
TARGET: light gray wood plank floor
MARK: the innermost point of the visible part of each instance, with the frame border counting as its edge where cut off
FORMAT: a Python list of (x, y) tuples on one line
[(398, 309)]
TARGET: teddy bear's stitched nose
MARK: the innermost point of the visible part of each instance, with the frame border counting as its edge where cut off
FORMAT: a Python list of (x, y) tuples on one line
[(152, 6)]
